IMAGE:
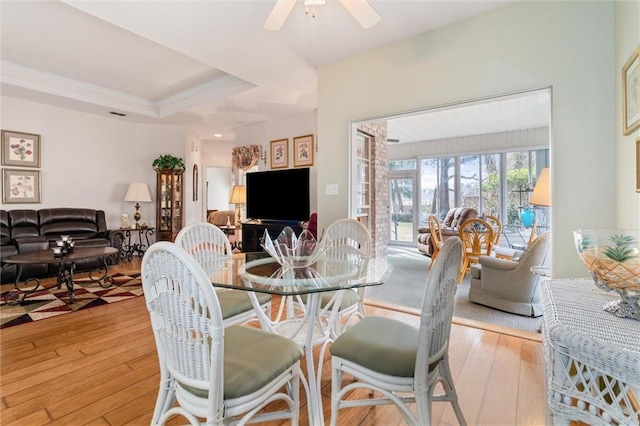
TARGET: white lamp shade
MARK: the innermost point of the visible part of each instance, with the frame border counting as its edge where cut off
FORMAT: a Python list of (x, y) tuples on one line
[(238, 195), (541, 195), (138, 192)]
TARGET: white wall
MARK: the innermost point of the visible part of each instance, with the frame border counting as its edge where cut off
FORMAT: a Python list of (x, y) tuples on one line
[(218, 188), (287, 127), (627, 34), (521, 46), (88, 161)]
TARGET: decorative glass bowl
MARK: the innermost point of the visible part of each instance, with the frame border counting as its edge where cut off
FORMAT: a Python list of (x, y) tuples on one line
[(613, 258), (292, 251)]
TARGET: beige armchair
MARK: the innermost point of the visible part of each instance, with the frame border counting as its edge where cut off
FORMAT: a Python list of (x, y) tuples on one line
[(509, 285)]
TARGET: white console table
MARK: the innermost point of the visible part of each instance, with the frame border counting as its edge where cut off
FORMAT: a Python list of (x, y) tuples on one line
[(592, 357)]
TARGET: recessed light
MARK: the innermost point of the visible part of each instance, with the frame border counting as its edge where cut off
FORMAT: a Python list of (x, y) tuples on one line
[(119, 114), (217, 135)]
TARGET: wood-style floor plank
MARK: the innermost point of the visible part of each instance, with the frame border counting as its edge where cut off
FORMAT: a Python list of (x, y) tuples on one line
[(99, 367)]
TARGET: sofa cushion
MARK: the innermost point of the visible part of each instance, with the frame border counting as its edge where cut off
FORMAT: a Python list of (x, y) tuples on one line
[(24, 223), (456, 216), (77, 223), (5, 232)]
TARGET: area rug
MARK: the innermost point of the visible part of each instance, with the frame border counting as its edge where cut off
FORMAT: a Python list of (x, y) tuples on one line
[(52, 302), (405, 287)]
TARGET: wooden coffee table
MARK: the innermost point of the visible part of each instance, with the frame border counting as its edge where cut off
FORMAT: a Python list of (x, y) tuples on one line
[(66, 269)]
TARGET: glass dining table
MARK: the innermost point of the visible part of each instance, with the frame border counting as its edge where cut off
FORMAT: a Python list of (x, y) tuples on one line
[(307, 310)]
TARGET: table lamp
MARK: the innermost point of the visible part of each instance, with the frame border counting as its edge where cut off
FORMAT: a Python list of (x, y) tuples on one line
[(138, 192), (238, 197), (541, 195)]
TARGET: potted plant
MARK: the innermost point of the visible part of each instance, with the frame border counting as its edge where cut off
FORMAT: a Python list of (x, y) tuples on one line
[(168, 161)]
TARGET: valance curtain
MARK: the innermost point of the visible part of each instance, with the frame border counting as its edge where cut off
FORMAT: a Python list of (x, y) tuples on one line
[(245, 157)]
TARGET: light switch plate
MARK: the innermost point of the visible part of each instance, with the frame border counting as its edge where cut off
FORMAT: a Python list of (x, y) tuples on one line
[(331, 189)]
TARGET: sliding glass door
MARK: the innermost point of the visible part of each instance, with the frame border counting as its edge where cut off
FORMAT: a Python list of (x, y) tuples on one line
[(402, 208)]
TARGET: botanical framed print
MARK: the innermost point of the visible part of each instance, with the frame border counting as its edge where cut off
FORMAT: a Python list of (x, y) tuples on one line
[(280, 153), (20, 149), (21, 186), (638, 165), (631, 93), (303, 151)]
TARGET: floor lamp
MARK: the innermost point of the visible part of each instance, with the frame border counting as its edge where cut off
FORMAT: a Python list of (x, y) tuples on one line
[(541, 195)]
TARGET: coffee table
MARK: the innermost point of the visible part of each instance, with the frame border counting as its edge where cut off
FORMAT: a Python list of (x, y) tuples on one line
[(66, 269)]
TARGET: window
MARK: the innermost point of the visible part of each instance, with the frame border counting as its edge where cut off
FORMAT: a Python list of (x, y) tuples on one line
[(476, 181)]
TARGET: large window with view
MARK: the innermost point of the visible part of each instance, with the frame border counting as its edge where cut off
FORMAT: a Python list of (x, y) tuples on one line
[(496, 184)]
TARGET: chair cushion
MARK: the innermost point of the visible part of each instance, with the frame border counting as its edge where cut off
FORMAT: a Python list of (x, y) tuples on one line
[(350, 298), (234, 302), (380, 344), (252, 359)]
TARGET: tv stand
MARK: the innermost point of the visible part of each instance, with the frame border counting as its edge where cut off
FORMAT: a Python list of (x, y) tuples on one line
[(252, 232)]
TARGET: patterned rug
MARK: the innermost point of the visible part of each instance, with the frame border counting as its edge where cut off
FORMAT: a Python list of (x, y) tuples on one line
[(52, 302)]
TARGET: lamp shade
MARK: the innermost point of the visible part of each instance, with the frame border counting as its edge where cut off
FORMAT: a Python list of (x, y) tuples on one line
[(238, 195), (541, 195), (138, 192)]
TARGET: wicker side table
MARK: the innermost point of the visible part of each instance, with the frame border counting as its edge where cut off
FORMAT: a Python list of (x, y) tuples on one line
[(592, 357)]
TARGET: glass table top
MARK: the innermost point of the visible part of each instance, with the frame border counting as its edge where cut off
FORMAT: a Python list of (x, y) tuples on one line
[(260, 272)]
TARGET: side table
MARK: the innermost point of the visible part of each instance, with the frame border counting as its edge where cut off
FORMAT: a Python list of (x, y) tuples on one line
[(130, 248), (542, 271), (231, 230), (592, 356)]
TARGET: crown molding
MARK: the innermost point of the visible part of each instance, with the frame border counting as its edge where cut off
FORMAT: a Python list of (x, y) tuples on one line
[(29, 78)]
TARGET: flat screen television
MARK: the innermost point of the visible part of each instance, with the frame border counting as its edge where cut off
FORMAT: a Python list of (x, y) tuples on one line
[(278, 195)]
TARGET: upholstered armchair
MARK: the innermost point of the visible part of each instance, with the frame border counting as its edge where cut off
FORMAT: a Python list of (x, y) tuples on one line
[(509, 285)]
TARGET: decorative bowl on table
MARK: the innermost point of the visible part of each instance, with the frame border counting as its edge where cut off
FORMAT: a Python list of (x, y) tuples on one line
[(292, 251), (613, 258)]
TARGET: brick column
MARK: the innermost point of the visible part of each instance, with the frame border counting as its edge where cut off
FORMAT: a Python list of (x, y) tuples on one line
[(380, 187)]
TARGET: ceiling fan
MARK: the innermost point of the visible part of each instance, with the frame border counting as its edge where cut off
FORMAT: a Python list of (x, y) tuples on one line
[(361, 10)]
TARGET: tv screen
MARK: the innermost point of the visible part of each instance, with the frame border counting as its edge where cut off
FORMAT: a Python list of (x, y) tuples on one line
[(278, 195)]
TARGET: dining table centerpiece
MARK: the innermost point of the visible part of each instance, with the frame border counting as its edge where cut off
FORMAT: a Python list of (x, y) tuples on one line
[(613, 258), (293, 251)]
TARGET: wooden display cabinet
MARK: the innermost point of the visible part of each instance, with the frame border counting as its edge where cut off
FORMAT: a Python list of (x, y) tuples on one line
[(169, 203)]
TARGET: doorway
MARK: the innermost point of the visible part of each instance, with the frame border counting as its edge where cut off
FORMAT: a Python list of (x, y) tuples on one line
[(447, 141)]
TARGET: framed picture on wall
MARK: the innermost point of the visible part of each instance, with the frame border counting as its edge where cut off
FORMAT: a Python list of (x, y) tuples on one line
[(631, 93), (20, 149), (21, 186), (303, 151), (279, 153)]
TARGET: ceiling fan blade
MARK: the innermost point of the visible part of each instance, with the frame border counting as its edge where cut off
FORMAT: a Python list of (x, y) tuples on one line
[(364, 13), (279, 14)]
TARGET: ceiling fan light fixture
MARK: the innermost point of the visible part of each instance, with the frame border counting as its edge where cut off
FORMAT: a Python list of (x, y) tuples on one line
[(310, 5), (361, 10)]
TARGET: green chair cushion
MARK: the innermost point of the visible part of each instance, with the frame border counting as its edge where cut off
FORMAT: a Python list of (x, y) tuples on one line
[(252, 359), (380, 344), (350, 298), (236, 302)]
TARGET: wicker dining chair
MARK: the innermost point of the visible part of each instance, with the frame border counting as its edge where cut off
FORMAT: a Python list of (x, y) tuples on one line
[(347, 239), (436, 237), (496, 225), (211, 248), (397, 360), (477, 240), (213, 372)]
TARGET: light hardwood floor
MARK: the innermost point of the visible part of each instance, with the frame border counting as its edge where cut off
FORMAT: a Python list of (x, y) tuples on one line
[(99, 367)]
